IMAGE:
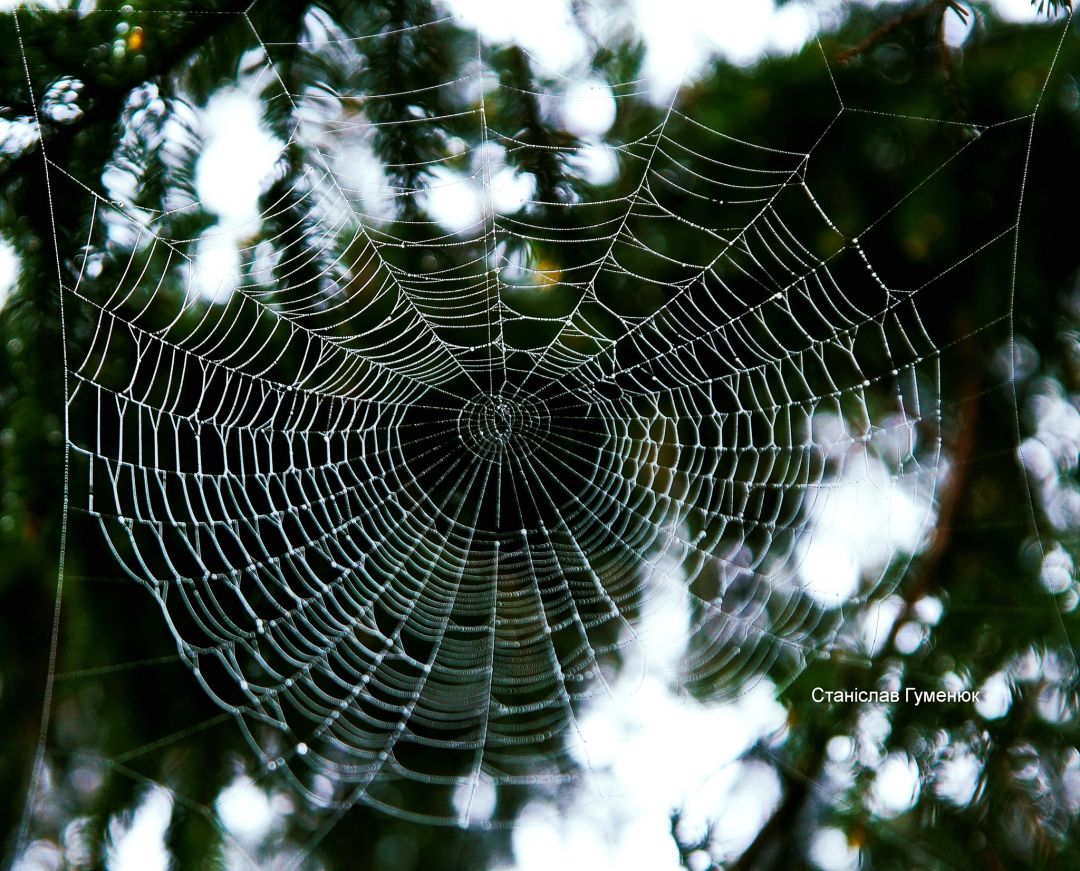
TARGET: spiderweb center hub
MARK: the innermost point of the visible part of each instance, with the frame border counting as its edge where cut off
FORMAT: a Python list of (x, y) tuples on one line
[(490, 424)]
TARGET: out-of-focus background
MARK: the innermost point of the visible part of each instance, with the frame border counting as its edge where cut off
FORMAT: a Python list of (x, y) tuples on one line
[(149, 106)]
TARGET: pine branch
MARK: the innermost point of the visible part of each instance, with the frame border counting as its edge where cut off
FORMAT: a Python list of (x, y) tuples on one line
[(101, 102), (880, 33)]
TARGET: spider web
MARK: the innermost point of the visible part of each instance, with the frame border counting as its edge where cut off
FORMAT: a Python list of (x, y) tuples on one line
[(402, 494)]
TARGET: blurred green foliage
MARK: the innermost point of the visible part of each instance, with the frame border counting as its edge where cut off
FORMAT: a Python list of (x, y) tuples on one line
[(984, 563)]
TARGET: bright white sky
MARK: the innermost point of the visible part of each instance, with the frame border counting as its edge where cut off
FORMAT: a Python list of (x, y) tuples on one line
[(9, 270)]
